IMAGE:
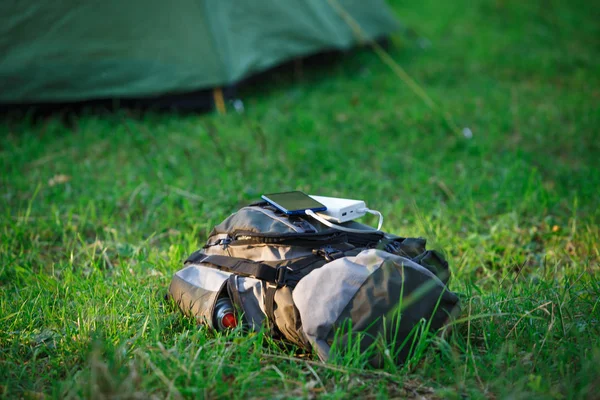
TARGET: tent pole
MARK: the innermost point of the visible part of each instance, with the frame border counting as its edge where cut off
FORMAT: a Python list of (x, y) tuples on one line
[(219, 101)]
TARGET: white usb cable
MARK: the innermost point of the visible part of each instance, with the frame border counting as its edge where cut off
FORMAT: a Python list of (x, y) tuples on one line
[(343, 228), (374, 212)]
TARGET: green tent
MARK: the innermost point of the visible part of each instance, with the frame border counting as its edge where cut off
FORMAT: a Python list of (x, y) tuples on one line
[(54, 51)]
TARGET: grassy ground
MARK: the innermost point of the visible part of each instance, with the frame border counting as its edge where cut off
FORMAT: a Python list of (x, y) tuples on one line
[(95, 218)]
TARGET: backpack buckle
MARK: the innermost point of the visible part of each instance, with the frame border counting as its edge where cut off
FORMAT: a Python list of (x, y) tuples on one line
[(329, 253), (280, 275), (305, 226)]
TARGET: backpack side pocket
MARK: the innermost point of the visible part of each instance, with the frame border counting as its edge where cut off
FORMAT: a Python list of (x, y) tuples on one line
[(382, 297), (247, 295), (287, 318), (196, 289)]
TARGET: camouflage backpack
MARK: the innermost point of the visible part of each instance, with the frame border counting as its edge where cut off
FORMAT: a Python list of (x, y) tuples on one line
[(305, 281)]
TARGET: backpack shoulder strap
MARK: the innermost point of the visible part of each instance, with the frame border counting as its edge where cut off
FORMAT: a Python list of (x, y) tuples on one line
[(241, 266)]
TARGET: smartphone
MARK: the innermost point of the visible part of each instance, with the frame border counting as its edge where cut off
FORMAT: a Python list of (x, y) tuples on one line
[(293, 203)]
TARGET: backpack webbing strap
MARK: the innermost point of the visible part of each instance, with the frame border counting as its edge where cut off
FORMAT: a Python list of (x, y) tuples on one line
[(246, 267), (234, 295), (270, 305)]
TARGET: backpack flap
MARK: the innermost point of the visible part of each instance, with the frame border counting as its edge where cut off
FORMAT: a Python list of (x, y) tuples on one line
[(367, 292), (260, 220), (263, 233)]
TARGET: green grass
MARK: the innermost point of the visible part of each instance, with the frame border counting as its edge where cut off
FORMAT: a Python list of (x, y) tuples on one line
[(96, 217)]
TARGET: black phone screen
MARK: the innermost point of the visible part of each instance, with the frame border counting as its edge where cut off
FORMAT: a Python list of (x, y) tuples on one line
[(293, 202)]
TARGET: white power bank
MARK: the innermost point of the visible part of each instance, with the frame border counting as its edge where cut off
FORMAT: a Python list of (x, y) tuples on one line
[(340, 210)]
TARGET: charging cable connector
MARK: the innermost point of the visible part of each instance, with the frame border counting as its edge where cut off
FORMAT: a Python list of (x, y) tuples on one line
[(374, 212)]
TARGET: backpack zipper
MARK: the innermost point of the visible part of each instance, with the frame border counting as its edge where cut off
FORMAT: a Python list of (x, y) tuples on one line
[(246, 239)]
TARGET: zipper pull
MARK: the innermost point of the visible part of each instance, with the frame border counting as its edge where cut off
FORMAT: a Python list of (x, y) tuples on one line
[(225, 242)]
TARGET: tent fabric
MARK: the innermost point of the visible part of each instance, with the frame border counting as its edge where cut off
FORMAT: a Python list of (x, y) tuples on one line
[(66, 50)]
